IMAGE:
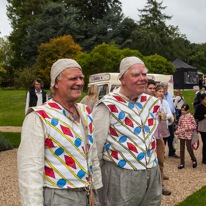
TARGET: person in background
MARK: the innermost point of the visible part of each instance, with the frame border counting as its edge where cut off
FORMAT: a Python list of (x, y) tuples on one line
[(168, 97), (92, 97), (57, 157), (158, 92), (197, 100), (184, 131), (124, 123), (203, 90), (151, 87), (36, 96), (200, 115), (179, 101)]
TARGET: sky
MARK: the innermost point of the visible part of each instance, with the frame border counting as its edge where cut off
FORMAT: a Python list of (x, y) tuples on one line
[(188, 15)]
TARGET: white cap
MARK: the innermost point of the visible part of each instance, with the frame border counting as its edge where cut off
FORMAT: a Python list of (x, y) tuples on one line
[(60, 65), (126, 63)]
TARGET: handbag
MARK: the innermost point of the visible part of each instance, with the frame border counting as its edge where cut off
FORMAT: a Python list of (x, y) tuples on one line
[(175, 143), (194, 139)]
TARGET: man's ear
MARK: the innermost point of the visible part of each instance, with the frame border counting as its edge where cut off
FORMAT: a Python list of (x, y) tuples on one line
[(122, 79)]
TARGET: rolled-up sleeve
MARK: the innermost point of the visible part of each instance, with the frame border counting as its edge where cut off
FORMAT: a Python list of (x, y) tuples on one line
[(30, 160)]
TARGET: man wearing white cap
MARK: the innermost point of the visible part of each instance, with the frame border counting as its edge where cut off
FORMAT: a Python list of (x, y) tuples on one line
[(57, 157), (125, 121)]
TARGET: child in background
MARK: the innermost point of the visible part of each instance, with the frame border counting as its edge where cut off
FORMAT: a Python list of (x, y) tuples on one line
[(184, 131)]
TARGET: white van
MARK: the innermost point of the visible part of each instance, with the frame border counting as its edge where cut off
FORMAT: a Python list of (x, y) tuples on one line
[(108, 81)]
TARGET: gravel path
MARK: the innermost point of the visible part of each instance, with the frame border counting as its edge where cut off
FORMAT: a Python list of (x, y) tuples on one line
[(181, 182), (10, 129)]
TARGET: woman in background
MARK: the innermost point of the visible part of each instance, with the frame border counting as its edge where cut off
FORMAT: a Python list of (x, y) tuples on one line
[(179, 101), (92, 97)]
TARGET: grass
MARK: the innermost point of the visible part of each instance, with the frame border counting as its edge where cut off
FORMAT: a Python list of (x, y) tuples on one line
[(12, 104), (196, 199), (189, 96), (14, 137)]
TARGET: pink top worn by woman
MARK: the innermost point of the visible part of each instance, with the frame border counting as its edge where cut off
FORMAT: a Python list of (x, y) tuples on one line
[(186, 121)]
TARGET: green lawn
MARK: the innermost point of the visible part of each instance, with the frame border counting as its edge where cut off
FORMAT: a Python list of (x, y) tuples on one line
[(14, 137), (12, 104), (196, 199), (189, 96)]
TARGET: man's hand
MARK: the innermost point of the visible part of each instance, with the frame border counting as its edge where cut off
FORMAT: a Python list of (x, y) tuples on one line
[(193, 104)]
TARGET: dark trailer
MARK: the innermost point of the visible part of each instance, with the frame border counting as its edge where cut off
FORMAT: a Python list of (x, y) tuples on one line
[(185, 76)]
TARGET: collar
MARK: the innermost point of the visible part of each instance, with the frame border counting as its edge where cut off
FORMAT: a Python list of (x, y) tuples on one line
[(38, 92)]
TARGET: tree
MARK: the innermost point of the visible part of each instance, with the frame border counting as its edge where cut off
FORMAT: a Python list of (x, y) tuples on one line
[(57, 48), (6, 56), (104, 58), (54, 21), (21, 13), (90, 11), (159, 65), (151, 17)]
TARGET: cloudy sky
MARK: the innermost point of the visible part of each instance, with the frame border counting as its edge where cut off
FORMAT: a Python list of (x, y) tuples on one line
[(188, 15)]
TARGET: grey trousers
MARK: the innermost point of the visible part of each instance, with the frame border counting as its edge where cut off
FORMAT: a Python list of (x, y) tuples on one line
[(68, 197), (123, 187)]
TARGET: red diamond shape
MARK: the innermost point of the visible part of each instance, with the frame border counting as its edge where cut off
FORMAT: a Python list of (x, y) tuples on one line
[(54, 105), (113, 108), (66, 131), (143, 98), (43, 114), (132, 147), (155, 109), (113, 132), (49, 143), (88, 110), (90, 127), (153, 144), (83, 149), (150, 122), (128, 122), (156, 151), (70, 162), (49, 172), (119, 99), (114, 154), (89, 147)]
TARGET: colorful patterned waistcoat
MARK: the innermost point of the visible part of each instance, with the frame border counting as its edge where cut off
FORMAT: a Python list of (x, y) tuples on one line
[(130, 143), (65, 159)]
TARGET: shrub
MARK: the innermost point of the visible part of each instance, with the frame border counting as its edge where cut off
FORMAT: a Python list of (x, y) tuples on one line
[(5, 144)]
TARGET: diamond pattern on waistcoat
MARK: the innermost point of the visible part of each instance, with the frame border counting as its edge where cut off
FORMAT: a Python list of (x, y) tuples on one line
[(128, 122), (150, 122), (155, 109), (66, 131), (88, 110), (113, 108), (48, 142), (83, 150), (54, 105), (153, 144), (122, 163), (113, 132), (61, 182), (143, 99), (90, 127), (70, 162), (49, 172), (114, 154), (43, 114), (59, 151), (132, 147), (119, 99)]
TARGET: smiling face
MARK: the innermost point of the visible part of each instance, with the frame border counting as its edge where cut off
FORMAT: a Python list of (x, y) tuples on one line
[(70, 87), (134, 81)]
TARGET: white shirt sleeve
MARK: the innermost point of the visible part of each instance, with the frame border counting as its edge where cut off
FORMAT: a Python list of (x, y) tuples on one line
[(27, 102), (30, 161), (101, 116), (168, 111)]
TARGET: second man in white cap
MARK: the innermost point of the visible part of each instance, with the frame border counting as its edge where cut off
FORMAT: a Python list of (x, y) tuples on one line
[(125, 121)]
